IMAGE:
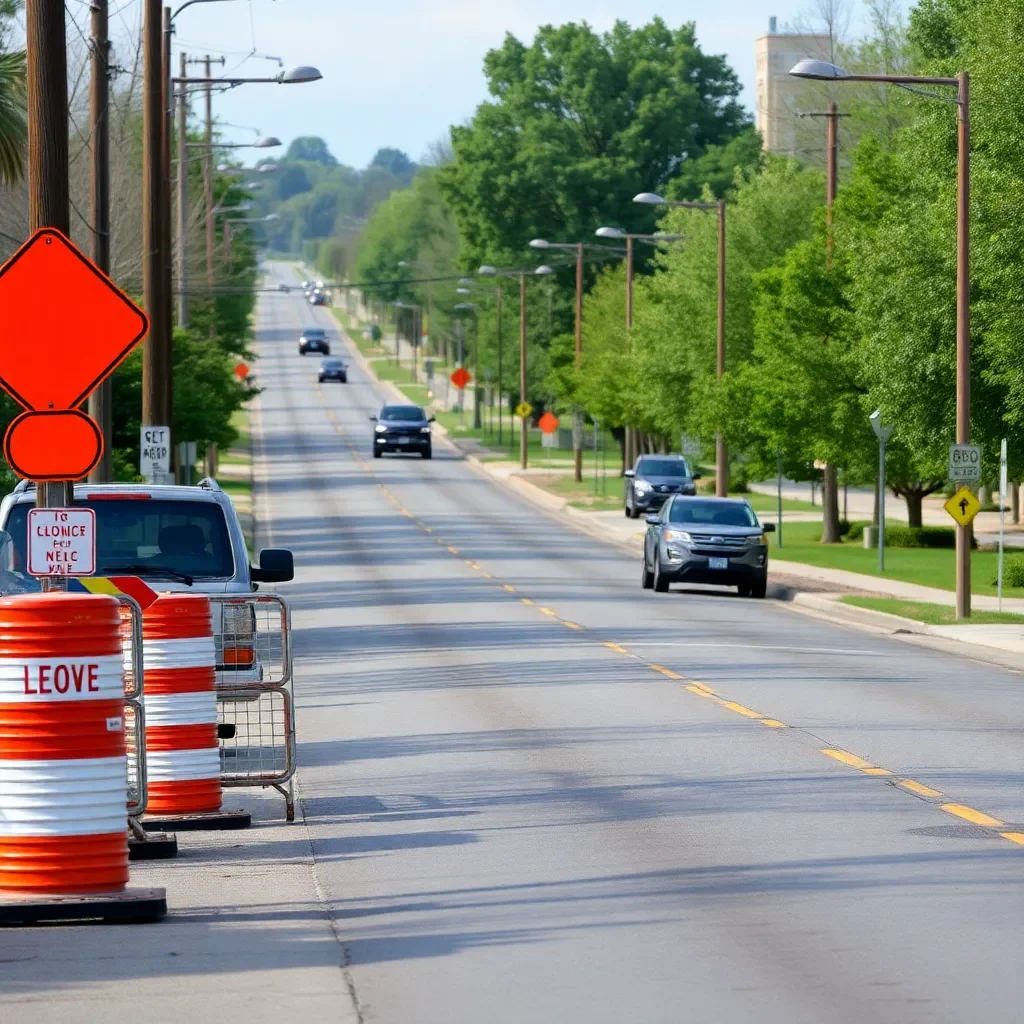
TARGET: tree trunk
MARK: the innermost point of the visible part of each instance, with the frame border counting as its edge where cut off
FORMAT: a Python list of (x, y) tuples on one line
[(914, 516), (985, 495), (1015, 502), (830, 504)]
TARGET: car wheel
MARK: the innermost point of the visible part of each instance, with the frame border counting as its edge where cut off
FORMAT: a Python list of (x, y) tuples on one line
[(646, 577), (327, 351), (377, 453), (633, 512), (344, 380), (427, 453), (660, 580), (743, 590), (625, 511), (319, 380), (760, 588)]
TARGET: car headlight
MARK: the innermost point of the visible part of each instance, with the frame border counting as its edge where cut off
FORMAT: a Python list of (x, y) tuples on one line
[(424, 430), (761, 539), (678, 536), (642, 486), (380, 428)]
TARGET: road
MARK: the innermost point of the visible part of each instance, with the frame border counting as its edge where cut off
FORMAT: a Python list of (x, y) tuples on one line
[(525, 808), (531, 791)]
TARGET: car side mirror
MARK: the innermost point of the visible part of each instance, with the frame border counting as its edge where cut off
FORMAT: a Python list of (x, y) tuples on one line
[(372, 419), (276, 566), (630, 473), (768, 527), (653, 520), (433, 419), (696, 476)]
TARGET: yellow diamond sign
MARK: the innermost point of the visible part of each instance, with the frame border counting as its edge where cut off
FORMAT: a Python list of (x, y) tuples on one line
[(523, 409), (963, 506)]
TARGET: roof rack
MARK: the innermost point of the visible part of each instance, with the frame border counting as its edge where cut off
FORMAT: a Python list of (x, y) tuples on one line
[(209, 484), (24, 485)]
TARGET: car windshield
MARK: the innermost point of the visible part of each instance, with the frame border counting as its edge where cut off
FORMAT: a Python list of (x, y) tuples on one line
[(311, 332), (410, 413), (331, 364), (709, 512), (662, 467), (183, 537)]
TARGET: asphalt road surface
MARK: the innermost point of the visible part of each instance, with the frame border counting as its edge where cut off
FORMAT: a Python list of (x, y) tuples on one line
[(527, 804), (531, 791)]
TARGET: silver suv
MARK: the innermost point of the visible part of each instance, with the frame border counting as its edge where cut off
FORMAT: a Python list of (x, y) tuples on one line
[(175, 538)]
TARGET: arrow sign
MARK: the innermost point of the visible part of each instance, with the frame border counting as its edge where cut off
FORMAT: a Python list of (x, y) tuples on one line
[(963, 506)]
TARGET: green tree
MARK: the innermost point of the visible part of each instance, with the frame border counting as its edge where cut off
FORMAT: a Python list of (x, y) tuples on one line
[(13, 117), (311, 148)]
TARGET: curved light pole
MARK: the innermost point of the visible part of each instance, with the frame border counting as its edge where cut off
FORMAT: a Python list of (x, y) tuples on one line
[(470, 307), (821, 70), (629, 440), (488, 271), (650, 198), (465, 288)]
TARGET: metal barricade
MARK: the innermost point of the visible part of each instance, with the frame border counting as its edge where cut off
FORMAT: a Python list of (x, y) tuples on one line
[(134, 712), (255, 699)]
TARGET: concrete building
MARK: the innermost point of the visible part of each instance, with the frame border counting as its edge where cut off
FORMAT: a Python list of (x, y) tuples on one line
[(779, 97)]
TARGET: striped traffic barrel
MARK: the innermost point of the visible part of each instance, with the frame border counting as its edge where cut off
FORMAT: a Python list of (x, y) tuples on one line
[(182, 750), (63, 788)]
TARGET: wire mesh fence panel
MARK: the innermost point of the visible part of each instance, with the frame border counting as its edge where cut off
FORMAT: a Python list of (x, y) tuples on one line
[(135, 744), (257, 745), (252, 638)]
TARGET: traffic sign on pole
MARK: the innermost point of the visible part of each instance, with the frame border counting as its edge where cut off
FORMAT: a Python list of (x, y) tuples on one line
[(963, 506), (61, 541), (55, 351), (965, 462), (154, 453), (241, 371), (523, 409), (460, 378), (548, 423)]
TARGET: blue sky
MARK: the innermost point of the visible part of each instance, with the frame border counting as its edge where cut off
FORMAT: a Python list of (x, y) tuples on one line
[(399, 73)]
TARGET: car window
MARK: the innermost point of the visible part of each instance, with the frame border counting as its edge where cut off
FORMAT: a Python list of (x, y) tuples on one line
[(190, 537), (662, 467), (312, 332), (402, 412), (708, 512)]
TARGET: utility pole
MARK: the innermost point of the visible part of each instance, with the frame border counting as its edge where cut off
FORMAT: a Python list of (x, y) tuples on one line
[(522, 368), (721, 452), (629, 434), (577, 419), (101, 400), (167, 100), (963, 326), (182, 195), (49, 197), (497, 296), (211, 236)]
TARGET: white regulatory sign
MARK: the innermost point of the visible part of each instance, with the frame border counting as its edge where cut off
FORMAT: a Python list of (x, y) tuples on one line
[(154, 453), (964, 462), (61, 541)]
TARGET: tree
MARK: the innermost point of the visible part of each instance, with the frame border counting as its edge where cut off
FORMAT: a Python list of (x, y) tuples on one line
[(395, 162), (292, 180), (13, 117), (578, 124), (311, 148)]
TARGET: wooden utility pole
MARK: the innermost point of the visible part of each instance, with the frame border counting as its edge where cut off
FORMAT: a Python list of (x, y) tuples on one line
[(501, 397), (167, 263), (963, 326), (182, 194), (522, 369), (577, 419), (721, 452), (49, 196), (152, 214), (101, 400), (211, 237)]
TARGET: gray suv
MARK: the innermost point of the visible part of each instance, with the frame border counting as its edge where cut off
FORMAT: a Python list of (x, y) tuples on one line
[(655, 478), (175, 538), (707, 540)]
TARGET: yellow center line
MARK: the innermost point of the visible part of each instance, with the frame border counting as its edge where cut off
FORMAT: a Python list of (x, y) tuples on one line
[(854, 761), (525, 600), (505, 586), (454, 551), (427, 529), (773, 723), (1014, 837), (547, 611), (703, 686), (693, 688), (570, 625), (739, 709), (615, 647), (666, 671), (971, 815), (487, 576), (918, 788)]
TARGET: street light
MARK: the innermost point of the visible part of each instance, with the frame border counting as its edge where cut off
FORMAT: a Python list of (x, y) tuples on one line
[(821, 70), (883, 433), (414, 333), (630, 446), (544, 269), (652, 199), (469, 307)]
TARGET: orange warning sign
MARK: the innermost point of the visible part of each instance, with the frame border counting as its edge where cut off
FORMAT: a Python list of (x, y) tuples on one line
[(548, 423), (460, 377), (64, 328), (241, 371)]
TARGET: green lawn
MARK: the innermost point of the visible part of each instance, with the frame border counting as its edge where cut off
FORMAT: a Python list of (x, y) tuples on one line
[(769, 503), (933, 614), (925, 566), (581, 495)]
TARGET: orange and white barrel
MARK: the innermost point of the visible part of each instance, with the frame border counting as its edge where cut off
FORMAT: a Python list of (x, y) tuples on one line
[(182, 750), (63, 788)]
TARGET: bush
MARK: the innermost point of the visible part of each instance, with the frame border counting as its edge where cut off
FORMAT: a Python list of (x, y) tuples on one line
[(844, 527), (1013, 572), (855, 531), (897, 536)]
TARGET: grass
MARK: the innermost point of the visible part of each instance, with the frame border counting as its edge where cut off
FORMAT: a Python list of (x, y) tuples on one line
[(769, 503), (240, 452), (925, 566), (932, 614), (581, 495)]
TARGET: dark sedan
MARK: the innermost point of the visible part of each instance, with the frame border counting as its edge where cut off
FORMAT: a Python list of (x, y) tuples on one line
[(333, 369), (314, 339), (655, 478), (402, 428), (707, 540)]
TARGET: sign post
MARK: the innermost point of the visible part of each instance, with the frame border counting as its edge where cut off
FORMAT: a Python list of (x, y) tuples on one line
[(89, 333), (883, 434), (778, 470)]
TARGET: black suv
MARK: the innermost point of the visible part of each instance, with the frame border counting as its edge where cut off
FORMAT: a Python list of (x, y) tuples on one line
[(655, 478), (314, 339), (402, 428)]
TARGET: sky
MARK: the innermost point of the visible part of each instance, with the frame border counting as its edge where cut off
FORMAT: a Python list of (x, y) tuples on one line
[(399, 73)]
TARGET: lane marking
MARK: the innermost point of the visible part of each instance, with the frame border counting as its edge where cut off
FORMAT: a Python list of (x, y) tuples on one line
[(547, 611), (739, 709), (454, 551), (757, 647), (666, 671), (853, 761), (570, 625), (505, 586), (773, 723), (1014, 837), (525, 600), (693, 688), (971, 815), (615, 647), (918, 788), (703, 686)]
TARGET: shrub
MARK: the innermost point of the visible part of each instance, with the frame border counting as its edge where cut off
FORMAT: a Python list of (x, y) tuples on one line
[(844, 527), (1013, 572)]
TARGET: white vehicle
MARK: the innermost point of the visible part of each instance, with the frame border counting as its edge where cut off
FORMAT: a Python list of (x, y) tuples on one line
[(176, 539)]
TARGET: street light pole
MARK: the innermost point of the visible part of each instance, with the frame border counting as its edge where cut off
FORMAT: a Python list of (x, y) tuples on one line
[(824, 71), (522, 368), (497, 297)]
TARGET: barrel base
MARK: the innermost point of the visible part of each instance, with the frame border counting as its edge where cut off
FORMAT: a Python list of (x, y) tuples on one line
[(155, 846), (130, 906), (221, 820)]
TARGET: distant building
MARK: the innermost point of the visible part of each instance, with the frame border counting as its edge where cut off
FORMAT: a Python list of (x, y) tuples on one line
[(780, 97)]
